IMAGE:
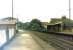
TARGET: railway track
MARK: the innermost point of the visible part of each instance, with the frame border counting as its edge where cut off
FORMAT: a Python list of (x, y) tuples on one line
[(58, 41)]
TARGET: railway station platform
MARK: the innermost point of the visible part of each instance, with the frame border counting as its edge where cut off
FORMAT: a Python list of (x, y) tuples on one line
[(26, 41)]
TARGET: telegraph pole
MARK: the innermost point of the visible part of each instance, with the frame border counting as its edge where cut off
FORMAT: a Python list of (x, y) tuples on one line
[(69, 9), (12, 9)]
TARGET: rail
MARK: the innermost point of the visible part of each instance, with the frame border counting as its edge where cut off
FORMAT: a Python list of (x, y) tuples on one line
[(59, 41)]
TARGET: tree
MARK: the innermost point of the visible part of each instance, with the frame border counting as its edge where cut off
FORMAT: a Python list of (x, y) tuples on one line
[(36, 25), (36, 21), (26, 25), (20, 25), (64, 17)]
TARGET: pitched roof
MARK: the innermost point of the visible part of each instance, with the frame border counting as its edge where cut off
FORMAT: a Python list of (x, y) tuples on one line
[(9, 18), (8, 22), (66, 22)]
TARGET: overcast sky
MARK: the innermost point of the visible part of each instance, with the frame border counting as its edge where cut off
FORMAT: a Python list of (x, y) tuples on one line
[(26, 10)]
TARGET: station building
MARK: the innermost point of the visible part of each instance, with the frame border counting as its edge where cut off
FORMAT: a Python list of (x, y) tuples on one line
[(60, 25), (7, 31)]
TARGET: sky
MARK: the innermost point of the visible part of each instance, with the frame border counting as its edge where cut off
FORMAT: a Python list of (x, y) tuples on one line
[(44, 10)]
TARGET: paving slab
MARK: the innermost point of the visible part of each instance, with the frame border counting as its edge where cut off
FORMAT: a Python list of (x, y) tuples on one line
[(27, 41), (23, 42)]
